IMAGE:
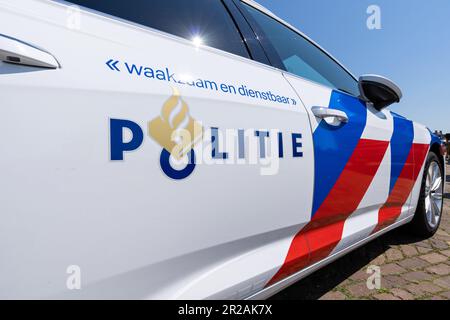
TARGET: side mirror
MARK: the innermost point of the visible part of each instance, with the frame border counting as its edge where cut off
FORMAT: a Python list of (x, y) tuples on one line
[(379, 91)]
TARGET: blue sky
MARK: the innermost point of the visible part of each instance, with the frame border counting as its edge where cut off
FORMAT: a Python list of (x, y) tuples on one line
[(412, 48)]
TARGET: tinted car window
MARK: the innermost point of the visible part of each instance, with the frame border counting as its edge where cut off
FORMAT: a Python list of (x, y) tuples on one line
[(206, 21), (299, 56)]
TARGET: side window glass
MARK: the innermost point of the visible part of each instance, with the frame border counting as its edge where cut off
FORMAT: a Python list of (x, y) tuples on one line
[(202, 21), (301, 57), (296, 65)]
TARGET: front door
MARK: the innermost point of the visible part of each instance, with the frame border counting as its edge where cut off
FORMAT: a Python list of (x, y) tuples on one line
[(351, 140)]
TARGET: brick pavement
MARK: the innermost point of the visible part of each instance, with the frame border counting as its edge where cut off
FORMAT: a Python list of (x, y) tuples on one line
[(411, 268)]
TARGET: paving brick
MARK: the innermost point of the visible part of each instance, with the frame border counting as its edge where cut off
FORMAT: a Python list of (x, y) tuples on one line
[(443, 238), (417, 276), (415, 289), (423, 250), (333, 295), (446, 253), (441, 232), (439, 244), (440, 269), (413, 263), (391, 268), (424, 244), (346, 282), (446, 294), (385, 296), (360, 275), (409, 250), (394, 255), (393, 281), (434, 258), (429, 287), (378, 261), (443, 282), (360, 290), (402, 294), (423, 288), (442, 235)]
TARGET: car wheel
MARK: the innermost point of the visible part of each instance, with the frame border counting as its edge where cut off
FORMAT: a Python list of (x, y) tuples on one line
[(429, 208)]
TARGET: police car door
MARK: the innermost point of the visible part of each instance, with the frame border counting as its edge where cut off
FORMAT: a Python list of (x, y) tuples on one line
[(351, 156), (145, 152)]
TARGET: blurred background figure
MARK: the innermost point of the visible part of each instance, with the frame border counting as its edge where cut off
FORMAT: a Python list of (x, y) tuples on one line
[(447, 144), (445, 138)]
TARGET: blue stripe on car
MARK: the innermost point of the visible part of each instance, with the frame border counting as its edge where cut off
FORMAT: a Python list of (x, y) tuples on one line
[(333, 146), (401, 143)]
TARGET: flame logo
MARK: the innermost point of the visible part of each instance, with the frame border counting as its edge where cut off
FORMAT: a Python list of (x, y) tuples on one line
[(175, 130), (175, 111)]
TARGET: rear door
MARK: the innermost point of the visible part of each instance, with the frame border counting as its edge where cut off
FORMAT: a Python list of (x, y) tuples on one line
[(92, 180), (351, 139)]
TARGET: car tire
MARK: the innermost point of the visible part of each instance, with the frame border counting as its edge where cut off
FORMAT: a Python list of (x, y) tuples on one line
[(427, 217)]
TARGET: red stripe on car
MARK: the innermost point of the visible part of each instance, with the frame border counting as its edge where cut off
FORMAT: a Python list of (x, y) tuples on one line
[(392, 209), (321, 235)]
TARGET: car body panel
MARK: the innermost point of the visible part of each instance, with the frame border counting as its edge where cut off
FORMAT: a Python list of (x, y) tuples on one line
[(231, 218), (233, 228)]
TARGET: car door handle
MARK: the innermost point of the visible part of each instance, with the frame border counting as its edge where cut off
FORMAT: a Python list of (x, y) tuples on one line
[(322, 113), (18, 52)]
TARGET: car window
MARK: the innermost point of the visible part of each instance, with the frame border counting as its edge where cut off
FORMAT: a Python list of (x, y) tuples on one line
[(202, 21), (301, 57)]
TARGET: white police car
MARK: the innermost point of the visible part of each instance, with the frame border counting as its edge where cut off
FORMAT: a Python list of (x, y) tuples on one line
[(191, 149)]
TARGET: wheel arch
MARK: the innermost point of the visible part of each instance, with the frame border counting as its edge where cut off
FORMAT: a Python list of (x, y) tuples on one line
[(436, 148)]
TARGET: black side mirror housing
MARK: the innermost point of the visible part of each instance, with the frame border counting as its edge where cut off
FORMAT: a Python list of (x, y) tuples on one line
[(379, 91)]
